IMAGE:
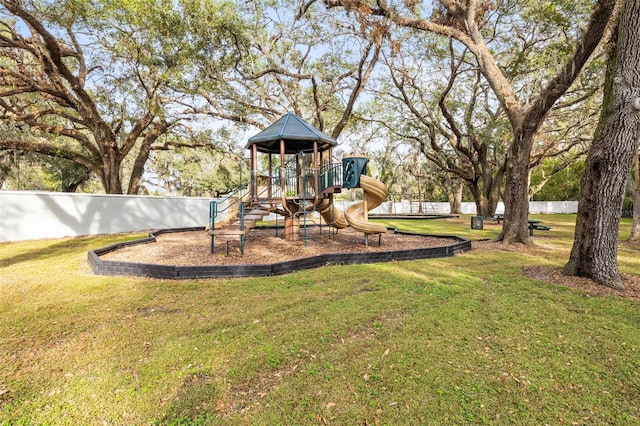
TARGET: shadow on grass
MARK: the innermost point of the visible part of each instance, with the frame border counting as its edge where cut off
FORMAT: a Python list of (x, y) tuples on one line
[(45, 252), (35, 251)]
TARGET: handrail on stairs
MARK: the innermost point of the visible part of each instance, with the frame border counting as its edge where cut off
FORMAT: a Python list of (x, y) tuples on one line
[(235, 197), (238, 197)]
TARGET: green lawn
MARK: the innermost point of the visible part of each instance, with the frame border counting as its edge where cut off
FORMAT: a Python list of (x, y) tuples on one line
[(461, 340)]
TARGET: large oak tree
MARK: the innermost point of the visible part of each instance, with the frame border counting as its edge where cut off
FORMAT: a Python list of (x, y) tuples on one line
[(98, 83), (608, 166), (463, 21), (434, 95), (451, 120)]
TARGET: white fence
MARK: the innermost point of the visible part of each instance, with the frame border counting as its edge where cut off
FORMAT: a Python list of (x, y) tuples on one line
[(535, 207), (35, 215), (28, 215)]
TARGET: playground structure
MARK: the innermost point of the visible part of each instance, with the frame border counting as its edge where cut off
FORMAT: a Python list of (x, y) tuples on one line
[(300, 179)]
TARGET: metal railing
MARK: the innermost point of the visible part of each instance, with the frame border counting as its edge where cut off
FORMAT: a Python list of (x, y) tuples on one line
[(241, 198), (330, 175), (295, 183), (232, 200), (302, 181)]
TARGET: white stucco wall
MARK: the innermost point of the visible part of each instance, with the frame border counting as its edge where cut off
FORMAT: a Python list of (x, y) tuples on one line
[(32, 215), (27, 215)]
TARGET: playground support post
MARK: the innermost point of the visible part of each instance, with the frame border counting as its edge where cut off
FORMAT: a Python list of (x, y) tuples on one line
[(254, 171)]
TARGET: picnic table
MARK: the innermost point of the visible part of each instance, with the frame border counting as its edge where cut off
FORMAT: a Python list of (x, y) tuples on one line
[(533, 223)]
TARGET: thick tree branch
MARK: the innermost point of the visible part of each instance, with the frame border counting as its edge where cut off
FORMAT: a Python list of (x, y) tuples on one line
[(55, 53), (585, 47), (364, 71), (43, 146)]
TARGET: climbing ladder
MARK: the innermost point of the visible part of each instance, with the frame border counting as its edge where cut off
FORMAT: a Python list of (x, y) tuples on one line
[(306, 207)]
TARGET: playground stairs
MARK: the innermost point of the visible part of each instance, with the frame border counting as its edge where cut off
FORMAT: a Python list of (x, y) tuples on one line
[(236, 229)]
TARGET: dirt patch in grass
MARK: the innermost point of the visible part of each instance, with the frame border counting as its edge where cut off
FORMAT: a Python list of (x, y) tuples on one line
[(555, 275)]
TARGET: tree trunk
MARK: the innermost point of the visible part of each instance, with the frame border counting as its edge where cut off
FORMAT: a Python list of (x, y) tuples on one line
[(516, 195), (110, 173), (138, 168), (486, 201), (595, 247), (493, 193), (486, 191), (635, 225), (455, 198), (633, 186), (73, 186), (478, 198)]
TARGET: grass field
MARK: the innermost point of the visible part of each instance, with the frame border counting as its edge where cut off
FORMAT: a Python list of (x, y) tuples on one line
[(462, 340)]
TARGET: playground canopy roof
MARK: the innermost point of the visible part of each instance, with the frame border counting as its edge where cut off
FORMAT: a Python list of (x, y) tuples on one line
[(297, 134)]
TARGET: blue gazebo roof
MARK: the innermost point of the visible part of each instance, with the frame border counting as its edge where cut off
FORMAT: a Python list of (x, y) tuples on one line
[(298, 136)]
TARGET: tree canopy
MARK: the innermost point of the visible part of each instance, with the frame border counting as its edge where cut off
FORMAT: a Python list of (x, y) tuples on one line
[(98, 83), (524, 106)]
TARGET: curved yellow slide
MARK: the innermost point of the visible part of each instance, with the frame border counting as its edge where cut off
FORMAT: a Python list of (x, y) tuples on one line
[(374, 193), (332, 215)]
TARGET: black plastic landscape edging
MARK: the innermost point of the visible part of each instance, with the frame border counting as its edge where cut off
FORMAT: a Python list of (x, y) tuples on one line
[(117, 268)]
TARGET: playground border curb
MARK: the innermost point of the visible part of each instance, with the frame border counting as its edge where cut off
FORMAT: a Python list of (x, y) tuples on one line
[(118, 268)]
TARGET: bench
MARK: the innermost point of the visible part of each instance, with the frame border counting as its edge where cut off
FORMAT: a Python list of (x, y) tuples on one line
[(228, 235)]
